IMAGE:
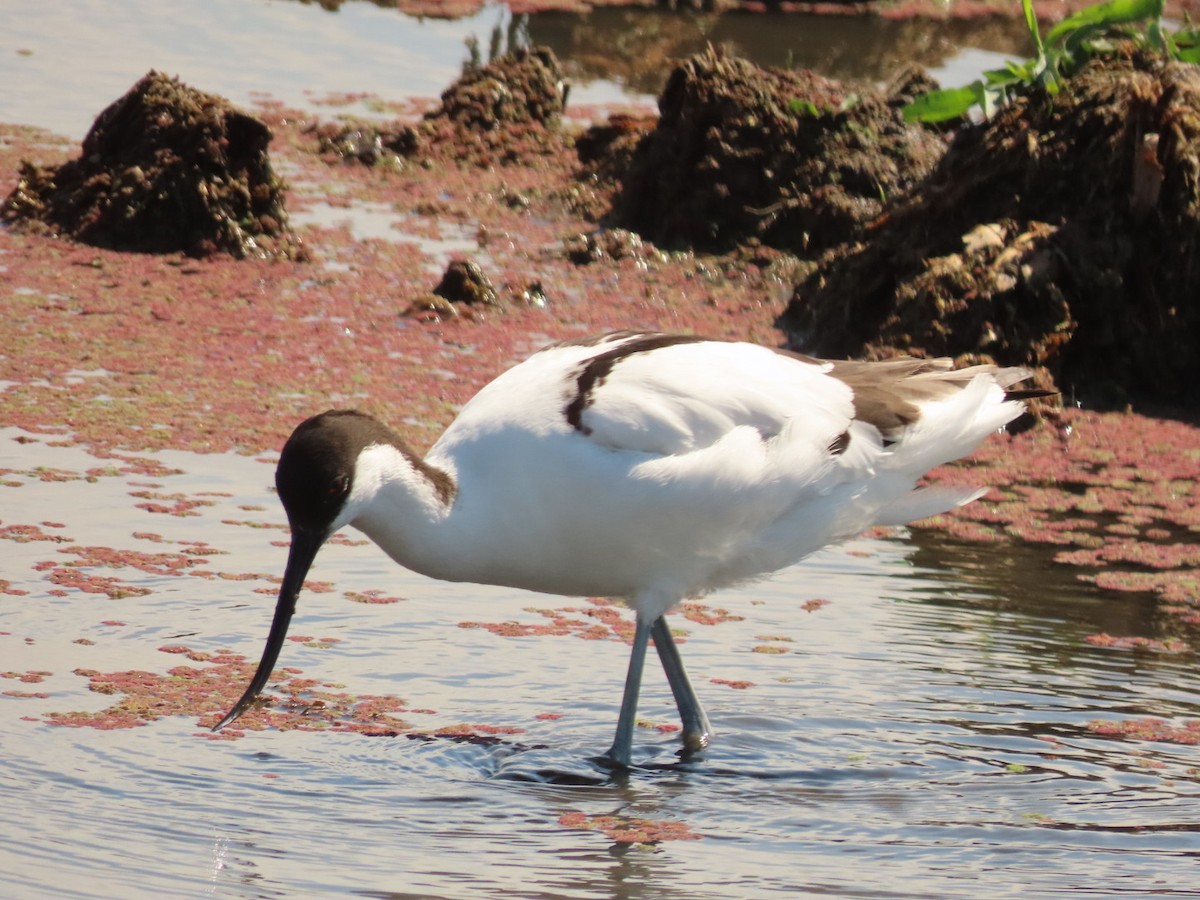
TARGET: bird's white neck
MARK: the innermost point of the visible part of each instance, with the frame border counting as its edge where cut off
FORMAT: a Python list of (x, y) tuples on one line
[(402, 505)]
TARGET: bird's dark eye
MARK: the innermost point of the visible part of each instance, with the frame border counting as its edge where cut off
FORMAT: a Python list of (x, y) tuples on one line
[(339, 486)]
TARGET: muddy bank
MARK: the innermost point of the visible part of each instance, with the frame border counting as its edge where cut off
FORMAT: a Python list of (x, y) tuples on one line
[(1061, 235), (217, 353), (1058, 235)]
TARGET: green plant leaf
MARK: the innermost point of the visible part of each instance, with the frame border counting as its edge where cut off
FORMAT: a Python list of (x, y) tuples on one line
[(1093, 31), (1104, 15), (804, 107), (943, 105), (1031, 23), (1012, 74)]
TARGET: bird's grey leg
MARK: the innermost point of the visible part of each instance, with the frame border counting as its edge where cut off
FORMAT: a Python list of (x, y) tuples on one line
[(696, 730), (622, 746)]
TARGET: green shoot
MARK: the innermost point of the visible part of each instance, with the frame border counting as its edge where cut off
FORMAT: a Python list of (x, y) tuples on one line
[(1068, 45)]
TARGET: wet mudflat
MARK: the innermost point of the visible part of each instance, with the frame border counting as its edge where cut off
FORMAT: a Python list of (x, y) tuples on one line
[(1001, 703)]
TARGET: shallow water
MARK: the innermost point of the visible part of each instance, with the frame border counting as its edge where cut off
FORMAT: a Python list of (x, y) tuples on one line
[(62, 62), (923, 734)]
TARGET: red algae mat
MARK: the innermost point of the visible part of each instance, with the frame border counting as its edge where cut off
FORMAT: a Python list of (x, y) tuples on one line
[(132, 353)]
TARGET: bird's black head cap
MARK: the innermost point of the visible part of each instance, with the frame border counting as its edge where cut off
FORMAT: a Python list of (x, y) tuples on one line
[(316, 466)]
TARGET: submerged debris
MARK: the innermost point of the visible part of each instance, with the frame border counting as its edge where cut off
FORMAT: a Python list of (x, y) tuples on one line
[(1062, 234), (742, 152), (164, 169)]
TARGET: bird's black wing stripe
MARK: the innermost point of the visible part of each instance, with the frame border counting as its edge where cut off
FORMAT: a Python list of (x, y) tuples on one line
[(596, 369)]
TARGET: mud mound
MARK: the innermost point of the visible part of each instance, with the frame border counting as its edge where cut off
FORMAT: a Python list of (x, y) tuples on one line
[(1062, 234), (164, 169), (525, 86), (505, 112), (788, 157), (606, 149)]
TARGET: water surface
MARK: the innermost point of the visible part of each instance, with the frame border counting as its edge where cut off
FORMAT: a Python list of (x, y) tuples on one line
[(922, 734), (62, 62)]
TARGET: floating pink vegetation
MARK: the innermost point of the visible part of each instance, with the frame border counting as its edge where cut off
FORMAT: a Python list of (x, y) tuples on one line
[(1122, 491), (247, 523), (476, 730), (736, 685), (23, 534), (600, 620), (73, 579), (1171, 645), (517, 629), (1140, 553), (323, 643), (629, 829), (372, 596), (30, 677), (150, 563), (1150, 729), (702, 614), (211, 688), (70, 575), (179, 505)]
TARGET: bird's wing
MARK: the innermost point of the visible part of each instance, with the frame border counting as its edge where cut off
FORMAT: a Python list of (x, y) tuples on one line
[(818, 423), (667, 394)]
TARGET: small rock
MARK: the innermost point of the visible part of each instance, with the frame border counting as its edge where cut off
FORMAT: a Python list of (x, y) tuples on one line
[(464, 282)]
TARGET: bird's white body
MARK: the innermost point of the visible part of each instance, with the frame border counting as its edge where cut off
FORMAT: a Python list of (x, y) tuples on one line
[(646, 467), (698, 465)]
